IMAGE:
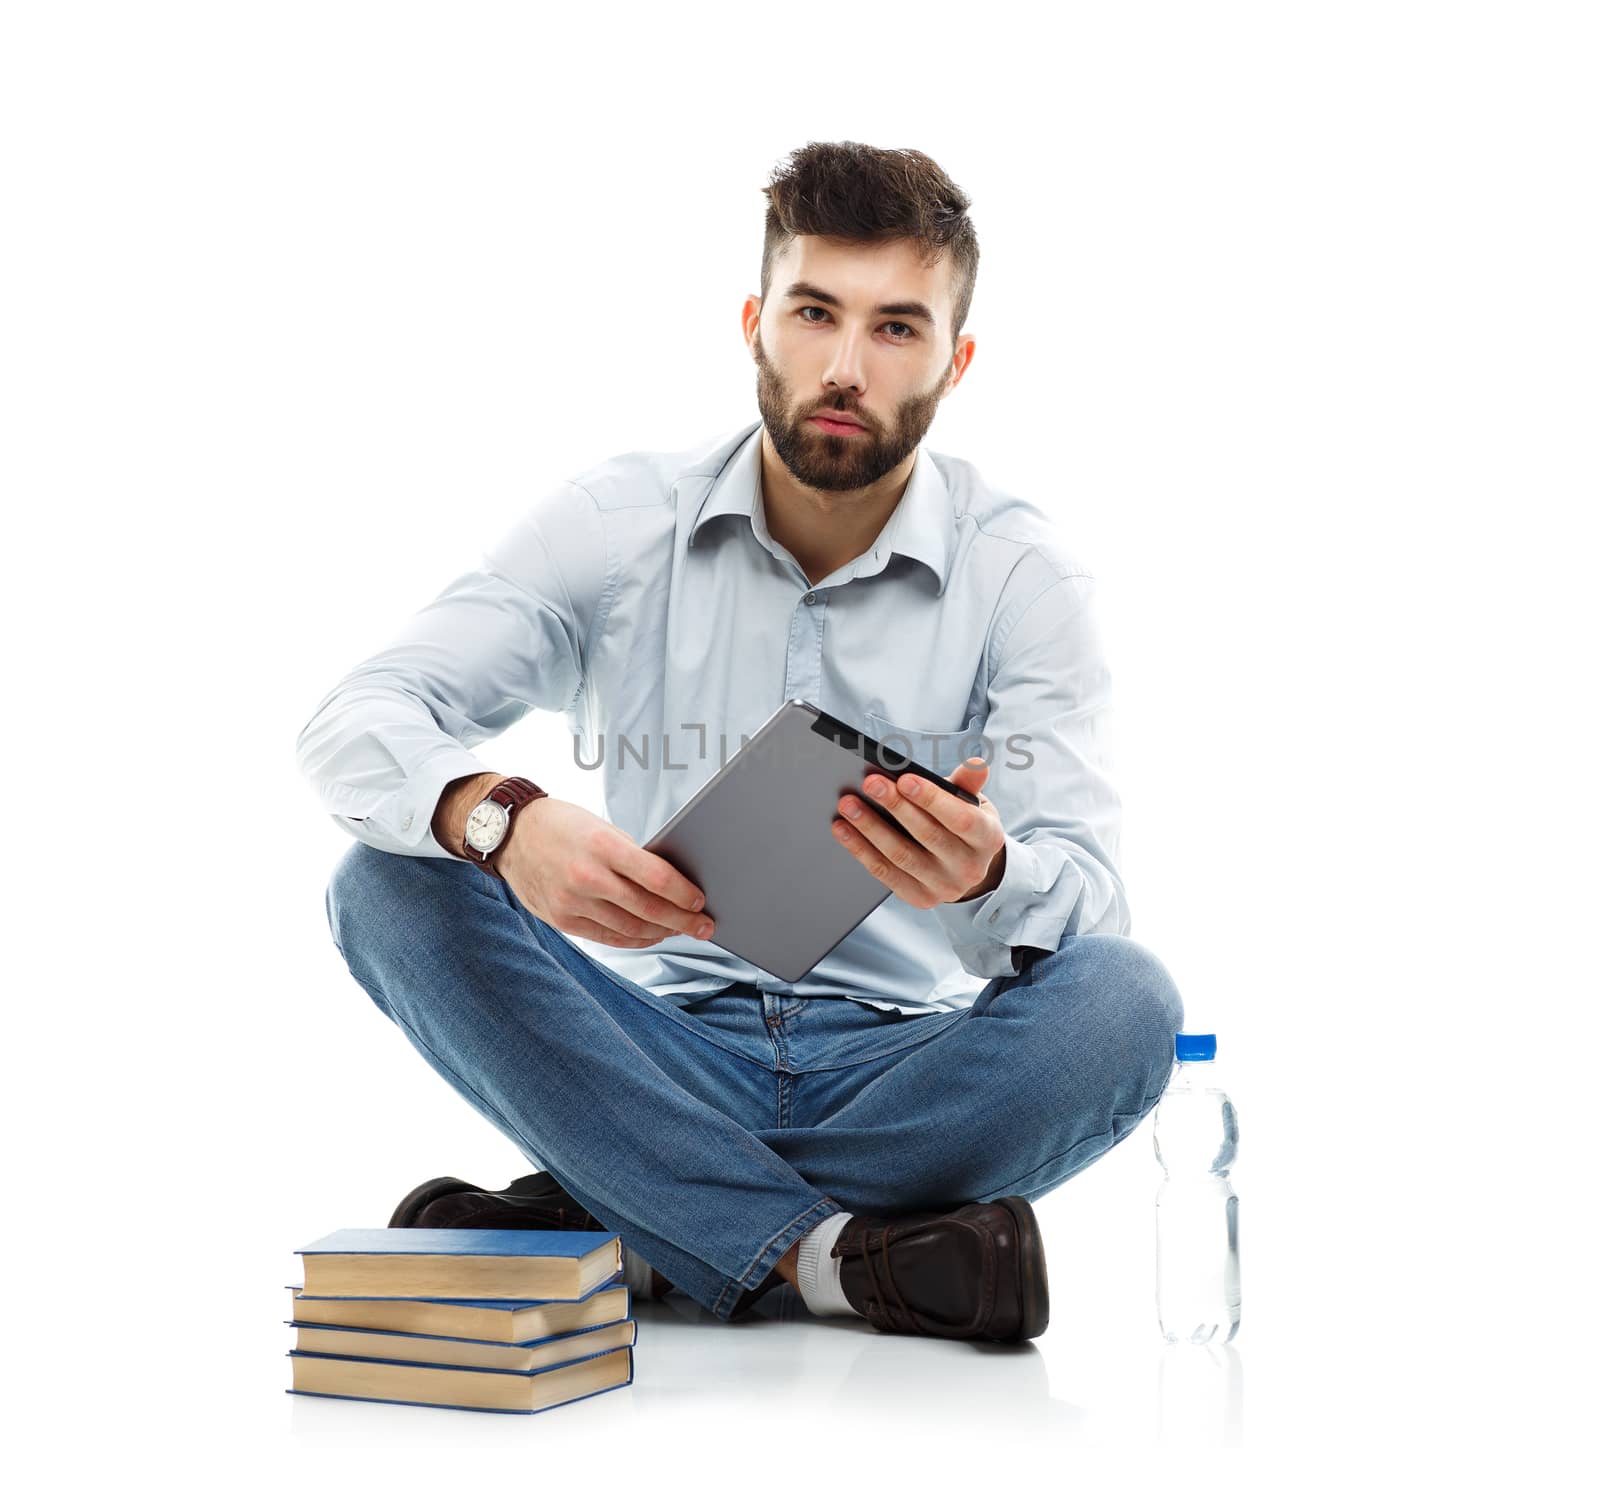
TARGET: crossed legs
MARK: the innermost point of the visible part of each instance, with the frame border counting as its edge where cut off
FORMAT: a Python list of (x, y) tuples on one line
[(669, 1137)]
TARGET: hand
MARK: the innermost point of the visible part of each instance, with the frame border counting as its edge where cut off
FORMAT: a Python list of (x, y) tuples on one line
[(946, 851), (584, 876)]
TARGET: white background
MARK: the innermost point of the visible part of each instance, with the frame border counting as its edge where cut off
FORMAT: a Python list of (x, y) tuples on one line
[(1288, 312)]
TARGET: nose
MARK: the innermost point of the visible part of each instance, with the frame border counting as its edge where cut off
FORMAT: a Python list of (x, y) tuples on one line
[(845, 369)]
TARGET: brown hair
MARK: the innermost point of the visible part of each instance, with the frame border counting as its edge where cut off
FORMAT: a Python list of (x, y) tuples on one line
[(845, 190)]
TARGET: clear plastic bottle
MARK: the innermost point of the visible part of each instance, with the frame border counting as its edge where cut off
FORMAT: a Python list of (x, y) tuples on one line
[(1197, 1211)]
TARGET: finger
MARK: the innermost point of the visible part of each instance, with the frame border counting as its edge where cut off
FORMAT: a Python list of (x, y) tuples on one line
[(964, 821), (655, 874), (635, 910), (618, 921), (624, 921), (589, 930), (927, 830), (652, 888), (888, 854)]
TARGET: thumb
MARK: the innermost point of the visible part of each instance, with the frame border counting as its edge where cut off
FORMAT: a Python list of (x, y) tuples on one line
[(970, 773)]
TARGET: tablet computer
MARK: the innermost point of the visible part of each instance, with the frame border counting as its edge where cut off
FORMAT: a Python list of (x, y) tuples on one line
[(757, 839)]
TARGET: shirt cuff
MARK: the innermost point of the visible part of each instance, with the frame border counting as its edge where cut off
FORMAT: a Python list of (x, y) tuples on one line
[(402, 821), (983, 931)]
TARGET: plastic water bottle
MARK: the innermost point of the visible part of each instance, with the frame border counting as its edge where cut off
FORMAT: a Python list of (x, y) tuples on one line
[(1197, 1212)]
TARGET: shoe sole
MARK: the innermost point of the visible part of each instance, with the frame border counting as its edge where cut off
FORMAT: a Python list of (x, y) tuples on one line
[(1033, 1284)]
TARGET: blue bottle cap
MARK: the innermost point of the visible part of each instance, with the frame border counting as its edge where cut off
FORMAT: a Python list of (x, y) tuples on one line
[(1195, 1045)]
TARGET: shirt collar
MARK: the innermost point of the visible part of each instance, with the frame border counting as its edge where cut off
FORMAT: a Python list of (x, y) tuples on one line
[(922, 525)]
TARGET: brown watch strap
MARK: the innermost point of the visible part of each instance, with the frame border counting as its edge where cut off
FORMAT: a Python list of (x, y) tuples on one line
[(513, 793)]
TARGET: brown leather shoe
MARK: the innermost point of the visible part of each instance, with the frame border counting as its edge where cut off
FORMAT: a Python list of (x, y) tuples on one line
[(974, 1273), (533, 1202), (753, 1295)]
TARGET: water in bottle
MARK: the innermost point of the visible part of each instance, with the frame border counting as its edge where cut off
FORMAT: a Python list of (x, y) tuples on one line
[(1197, 1211)]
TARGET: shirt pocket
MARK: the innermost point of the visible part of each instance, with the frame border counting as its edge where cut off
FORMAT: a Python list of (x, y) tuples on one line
[(940, 751)]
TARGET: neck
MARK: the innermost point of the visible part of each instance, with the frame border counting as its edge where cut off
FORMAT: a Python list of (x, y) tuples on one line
[(825, 530)]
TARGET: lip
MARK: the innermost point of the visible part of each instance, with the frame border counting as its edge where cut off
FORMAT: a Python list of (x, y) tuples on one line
[(830, 423)]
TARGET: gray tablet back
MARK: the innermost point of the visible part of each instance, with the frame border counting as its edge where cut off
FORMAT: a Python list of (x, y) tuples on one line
[(758, 839)]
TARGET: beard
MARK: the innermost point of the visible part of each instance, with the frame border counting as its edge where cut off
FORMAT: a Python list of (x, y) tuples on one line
[(838, 464)]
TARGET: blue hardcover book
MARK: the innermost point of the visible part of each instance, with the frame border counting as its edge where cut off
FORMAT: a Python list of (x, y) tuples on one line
[(411, 1263), (469, 1390), (446, 1349), (512, 1321)]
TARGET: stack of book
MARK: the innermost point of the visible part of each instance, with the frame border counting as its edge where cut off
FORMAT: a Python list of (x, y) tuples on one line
[(483, 1320)]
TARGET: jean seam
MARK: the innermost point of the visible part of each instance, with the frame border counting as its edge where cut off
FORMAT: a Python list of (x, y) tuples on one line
[(1116, 1116), (659, 1003), (528, 1146), (910, 1040), (699, 1030), (770, 1253)]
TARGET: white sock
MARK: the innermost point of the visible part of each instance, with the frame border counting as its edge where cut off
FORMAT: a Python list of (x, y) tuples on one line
[(636, 1272), (818, 1271)]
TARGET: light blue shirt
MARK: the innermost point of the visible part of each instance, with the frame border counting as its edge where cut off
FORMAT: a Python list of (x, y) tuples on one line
[(646, 599)]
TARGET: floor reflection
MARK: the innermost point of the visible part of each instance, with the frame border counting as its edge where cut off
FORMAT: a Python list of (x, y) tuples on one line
[(1200, 1395), (858, 1372)]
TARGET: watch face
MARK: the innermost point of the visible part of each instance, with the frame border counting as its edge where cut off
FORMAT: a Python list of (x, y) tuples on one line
[(486, 825)]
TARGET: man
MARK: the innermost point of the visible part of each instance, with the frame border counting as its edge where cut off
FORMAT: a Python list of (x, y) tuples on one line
[(873, 1133)]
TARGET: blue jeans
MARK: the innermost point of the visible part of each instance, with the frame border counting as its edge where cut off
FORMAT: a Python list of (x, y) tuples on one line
[(711, 1136)]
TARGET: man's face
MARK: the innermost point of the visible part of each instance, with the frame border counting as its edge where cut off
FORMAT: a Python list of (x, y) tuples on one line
[(887, 370)]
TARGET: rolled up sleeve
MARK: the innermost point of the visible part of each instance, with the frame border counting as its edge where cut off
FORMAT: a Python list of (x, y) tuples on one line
[(1049, 746)]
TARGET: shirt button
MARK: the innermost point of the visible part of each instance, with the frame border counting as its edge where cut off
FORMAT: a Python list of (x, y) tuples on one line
[(405, 824), (810, 598)]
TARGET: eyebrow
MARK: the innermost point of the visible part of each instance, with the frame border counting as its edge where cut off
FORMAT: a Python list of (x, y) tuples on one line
[(803, 289)]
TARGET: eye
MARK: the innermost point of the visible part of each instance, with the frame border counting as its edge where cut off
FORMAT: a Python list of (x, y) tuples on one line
[(908, 334)]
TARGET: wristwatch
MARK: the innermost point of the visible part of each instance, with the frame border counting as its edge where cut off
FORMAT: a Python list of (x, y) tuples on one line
[(490, 821)]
